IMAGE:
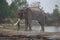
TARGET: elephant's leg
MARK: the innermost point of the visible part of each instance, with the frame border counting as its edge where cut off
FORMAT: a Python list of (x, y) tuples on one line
[(42, 25), (30, 29), (26, 25), (18, 24), (29, 25)]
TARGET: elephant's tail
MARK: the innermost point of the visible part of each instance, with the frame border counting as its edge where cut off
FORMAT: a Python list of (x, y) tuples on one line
[(46, 17)]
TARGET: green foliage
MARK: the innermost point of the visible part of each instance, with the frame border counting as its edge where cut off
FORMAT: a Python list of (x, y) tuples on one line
[(21, 3), (13, 9), (36, 4), (4, 9), (15, 5), (56, 13), (54, 19)]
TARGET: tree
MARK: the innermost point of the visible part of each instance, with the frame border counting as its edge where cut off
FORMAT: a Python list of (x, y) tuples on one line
[(35, 4), (15, 5), (4, 9), (13, 9), (21, 3), (56, 14)]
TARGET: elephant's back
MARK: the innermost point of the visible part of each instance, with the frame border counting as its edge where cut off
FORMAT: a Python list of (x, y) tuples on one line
[(35, 13), (35, 10)]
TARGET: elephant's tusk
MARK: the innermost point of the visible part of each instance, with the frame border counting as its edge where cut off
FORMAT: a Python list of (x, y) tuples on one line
[(17, 22)]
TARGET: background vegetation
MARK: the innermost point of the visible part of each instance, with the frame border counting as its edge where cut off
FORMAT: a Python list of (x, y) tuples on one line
[(10, 11)]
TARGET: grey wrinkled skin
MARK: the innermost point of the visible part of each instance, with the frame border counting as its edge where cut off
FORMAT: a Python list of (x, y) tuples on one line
[(33, 13)]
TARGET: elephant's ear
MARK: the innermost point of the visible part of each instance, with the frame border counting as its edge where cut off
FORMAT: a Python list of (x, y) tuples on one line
[(26, 10)]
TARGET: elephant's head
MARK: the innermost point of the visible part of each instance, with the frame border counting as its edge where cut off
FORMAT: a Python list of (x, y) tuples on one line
[(22, 13)]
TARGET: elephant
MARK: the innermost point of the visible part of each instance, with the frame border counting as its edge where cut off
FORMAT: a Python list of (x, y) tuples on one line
[(32, 13)]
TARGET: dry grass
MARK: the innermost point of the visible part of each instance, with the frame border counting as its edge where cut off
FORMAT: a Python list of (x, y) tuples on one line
[(15, 32), (12, 30)]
